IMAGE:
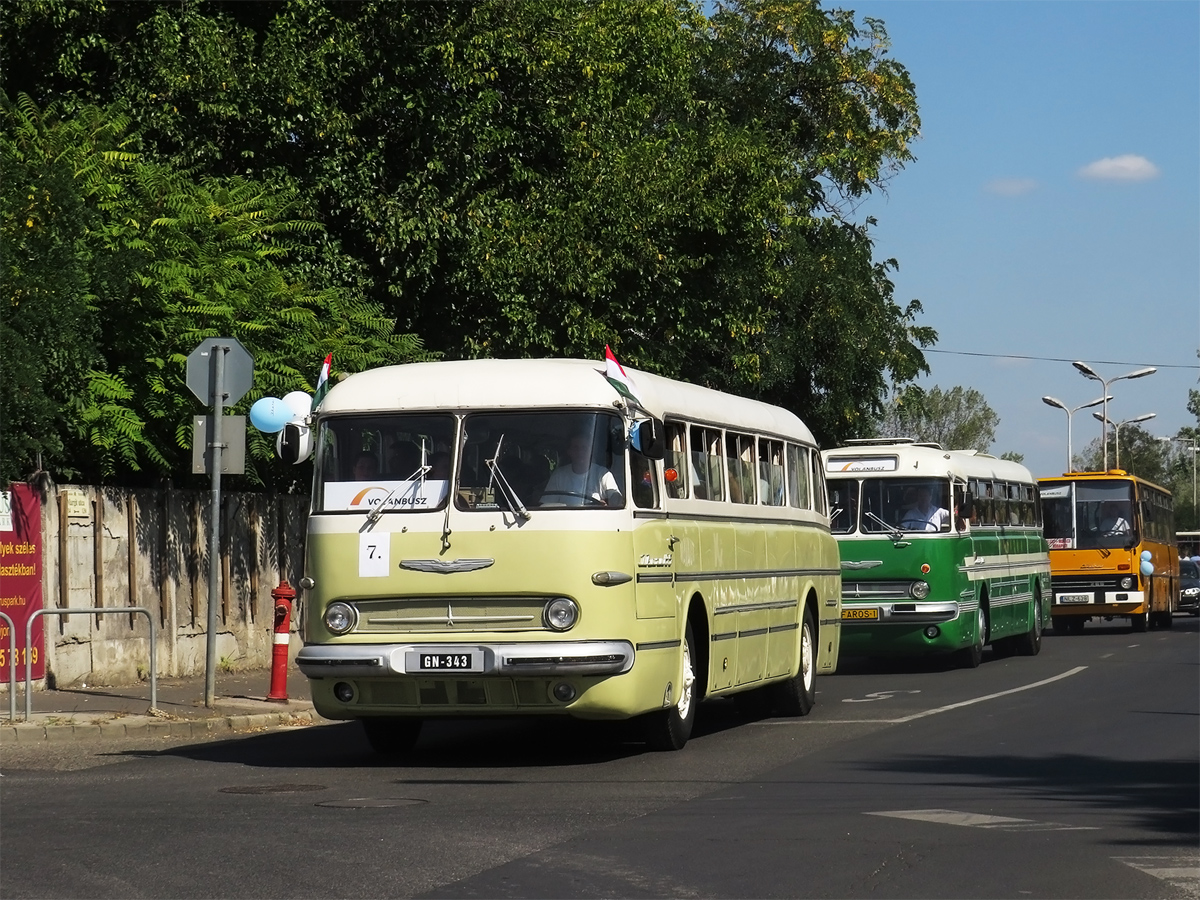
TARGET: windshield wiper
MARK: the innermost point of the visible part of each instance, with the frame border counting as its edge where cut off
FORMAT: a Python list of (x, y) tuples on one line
[(418, 475), (894, 533), (498, 479)]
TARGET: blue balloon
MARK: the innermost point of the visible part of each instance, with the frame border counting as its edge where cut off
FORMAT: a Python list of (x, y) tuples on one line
[(270, 414)]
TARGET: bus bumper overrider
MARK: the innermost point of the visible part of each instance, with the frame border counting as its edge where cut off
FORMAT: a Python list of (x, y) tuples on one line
[(531, 658)]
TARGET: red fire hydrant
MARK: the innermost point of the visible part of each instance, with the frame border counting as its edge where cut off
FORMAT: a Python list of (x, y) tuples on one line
[(283, 596)]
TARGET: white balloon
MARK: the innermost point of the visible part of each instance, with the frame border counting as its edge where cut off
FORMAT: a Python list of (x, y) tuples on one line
[(299, 402)]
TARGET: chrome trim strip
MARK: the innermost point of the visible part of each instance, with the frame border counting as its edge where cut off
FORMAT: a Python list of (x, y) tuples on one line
[(791, 627), (727, 636), (861, 564), (658, 645), (753, 632), (754, 607), (656, 578)]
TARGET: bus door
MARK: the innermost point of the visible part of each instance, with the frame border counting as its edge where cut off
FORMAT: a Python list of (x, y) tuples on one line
[(655, 542)]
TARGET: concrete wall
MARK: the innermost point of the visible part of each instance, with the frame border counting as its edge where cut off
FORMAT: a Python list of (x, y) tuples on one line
[(151, 549)]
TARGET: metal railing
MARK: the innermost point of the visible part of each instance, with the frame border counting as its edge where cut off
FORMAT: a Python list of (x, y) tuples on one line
[(12, 668), (87, 612)]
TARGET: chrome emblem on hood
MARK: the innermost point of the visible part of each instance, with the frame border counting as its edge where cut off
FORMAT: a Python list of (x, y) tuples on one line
[(445, 567)]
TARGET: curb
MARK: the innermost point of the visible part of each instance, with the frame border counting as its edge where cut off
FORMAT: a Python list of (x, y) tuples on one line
[(146, 726)]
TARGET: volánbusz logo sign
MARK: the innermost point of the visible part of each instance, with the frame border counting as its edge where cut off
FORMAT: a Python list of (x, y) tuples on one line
[(861, 464)]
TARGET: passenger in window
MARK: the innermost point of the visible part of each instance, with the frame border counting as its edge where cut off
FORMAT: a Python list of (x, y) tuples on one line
[(366, 467), (582, 482), (924, 515)]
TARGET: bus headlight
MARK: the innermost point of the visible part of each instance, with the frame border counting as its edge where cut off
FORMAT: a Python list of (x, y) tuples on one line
[(1126, 583), (919, 590), (340, 617), (561, 614)]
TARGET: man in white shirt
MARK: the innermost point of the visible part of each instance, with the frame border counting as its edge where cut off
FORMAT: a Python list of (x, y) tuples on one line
[(581, 482), (1111, 520), (924, 515)]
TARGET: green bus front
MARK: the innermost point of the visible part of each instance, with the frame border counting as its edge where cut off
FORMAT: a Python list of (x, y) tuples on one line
[(909, 590)]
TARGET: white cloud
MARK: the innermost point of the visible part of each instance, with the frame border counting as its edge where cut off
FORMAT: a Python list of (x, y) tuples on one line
[(1129, 167), (1010, 187)]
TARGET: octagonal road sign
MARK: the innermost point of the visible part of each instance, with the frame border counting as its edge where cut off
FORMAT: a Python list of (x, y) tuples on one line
[(237, 372)]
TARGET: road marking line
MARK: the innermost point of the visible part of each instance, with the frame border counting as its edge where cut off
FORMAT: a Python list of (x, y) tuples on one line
[(978, 820), (1182, 871), (929, 712)]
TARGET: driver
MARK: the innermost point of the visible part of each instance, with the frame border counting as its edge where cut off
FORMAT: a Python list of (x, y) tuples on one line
[(582, 482), (924, 515)]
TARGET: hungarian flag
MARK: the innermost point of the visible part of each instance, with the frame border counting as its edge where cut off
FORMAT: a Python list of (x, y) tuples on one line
[(323, 381), (619, 378)]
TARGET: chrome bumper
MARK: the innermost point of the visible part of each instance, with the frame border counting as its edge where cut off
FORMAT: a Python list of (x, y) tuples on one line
[(905, 613), (383, 660)]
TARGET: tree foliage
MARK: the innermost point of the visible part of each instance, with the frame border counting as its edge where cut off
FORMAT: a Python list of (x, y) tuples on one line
[(958, 418), (535, 178)]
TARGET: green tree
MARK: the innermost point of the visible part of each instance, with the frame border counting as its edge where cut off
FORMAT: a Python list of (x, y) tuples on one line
[(958, 418), (1140, 453), (542, 177)]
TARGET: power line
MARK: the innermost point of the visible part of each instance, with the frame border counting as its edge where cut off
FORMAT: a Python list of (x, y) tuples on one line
[(1102, 362)]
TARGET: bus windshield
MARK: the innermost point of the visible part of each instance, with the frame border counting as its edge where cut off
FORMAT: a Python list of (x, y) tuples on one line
[(889, 505), (542, 460), (396, 463), (1092, 515)]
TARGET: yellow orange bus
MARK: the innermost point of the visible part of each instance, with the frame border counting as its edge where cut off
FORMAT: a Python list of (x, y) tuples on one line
[(1112, 549), (516, 537)]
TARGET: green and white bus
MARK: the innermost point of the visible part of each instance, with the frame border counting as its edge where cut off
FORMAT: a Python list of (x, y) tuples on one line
[(536, 543), (941, 551)]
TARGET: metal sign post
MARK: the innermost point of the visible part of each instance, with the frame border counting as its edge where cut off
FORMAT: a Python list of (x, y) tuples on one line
[(219, 371)]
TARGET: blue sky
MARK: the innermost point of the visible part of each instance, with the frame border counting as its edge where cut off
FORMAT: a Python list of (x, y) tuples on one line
[(1053, 210)]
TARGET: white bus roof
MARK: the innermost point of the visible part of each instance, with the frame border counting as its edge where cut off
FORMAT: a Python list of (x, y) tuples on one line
[(547, 383), (908, 459)]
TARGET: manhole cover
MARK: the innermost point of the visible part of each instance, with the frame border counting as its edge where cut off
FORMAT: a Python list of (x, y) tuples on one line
[(371, 802), (271, 788)]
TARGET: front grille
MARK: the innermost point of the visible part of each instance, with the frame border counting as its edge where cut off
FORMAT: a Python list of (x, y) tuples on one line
[(876, 590), (460, 615), (1065, 584), (511, 693)]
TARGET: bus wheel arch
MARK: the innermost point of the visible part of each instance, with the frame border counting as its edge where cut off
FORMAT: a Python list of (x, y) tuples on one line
[(669, 728), (1030, 643), (971, 657), (796, 695), (698, 619)]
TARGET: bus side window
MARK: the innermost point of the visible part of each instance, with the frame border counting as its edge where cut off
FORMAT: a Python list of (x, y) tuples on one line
[(676, 460), (770, 472), (706, 455), (643, 486), (820, 497), (799, 495), (739, 462)]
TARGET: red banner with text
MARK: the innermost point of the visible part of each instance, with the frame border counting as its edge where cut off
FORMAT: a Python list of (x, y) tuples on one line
[(21, 580)]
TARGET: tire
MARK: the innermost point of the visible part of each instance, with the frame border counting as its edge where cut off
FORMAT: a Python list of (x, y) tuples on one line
[(1030, 643), (393, 737), (1140, 622), (669, 729), (972, 656), (796, 696)]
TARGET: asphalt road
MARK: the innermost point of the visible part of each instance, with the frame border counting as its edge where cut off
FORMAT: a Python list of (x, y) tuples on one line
[(1075, 773)]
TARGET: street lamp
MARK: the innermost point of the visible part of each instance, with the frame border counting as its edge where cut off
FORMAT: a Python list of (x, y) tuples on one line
[(1051, 401), (1117, 428), (1088, 372)]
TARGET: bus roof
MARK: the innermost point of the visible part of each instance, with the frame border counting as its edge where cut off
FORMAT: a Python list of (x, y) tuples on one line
[(547, 384), (904, 458), (1119, 474)]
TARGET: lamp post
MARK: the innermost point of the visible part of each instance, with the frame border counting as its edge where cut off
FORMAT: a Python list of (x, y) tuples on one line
[(1052, 401), (1088, 372), (1117, 428)]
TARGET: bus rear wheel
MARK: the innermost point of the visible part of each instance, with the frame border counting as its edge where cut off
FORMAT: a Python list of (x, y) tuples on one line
[(1030, 643), (796, 696), (392, 736), (669, 729), (971, 657), (1139, 622)]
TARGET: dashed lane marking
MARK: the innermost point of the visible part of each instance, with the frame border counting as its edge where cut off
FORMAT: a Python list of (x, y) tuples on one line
[(978, 820), (1181, 871)]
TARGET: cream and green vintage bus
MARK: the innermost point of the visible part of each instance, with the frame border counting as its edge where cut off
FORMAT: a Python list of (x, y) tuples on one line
[(516, 537), (942, 551)]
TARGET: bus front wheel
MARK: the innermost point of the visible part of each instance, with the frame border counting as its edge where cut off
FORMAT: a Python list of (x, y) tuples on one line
[(796, 696), (669, 729), (972, 656), (1140, 622), (392, 736)]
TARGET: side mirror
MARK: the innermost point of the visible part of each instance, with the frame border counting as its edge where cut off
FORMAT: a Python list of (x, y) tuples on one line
[(294, 444), (649, 439)]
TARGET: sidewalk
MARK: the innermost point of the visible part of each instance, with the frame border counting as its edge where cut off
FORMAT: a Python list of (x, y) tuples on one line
[(90, 712)]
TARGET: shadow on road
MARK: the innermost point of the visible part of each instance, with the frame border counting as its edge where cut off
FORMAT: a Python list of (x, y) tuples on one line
[(1159, 795), (452, 743)]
